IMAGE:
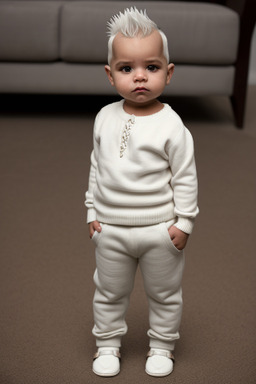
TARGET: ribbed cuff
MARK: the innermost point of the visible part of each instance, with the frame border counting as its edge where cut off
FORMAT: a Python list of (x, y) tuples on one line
[(185, 224), (91, 215)]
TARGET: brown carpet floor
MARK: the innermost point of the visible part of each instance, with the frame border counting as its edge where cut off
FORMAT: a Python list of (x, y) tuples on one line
[(47, 260)]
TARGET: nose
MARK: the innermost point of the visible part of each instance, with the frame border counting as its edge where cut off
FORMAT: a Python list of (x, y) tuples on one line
[(140, 75)]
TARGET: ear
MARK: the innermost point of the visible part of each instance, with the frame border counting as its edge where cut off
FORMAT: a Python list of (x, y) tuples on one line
[(170, 70), (109, 75)]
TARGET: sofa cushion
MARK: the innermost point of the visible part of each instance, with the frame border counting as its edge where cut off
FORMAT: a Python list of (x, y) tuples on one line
[(29, 31), (66, 78), (199, 33)]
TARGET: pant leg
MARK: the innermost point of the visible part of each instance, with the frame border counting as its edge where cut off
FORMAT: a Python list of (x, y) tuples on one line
[(162, 269), (114, 279)]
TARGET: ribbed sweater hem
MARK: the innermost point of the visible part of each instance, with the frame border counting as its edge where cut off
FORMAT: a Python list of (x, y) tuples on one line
[(184, 224), (134, 221)]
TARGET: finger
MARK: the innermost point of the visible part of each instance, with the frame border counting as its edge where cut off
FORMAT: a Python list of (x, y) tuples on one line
[(97, 226), (91, 229), (172, 233)]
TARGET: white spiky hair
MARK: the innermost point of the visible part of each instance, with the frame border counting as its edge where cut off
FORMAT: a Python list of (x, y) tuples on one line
[(132, 23)]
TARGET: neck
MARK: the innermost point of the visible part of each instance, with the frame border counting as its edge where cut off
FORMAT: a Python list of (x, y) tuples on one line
[(142, 110)]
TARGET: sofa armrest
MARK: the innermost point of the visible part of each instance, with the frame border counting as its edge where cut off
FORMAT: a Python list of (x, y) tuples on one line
[(247, 11), (241, 6)]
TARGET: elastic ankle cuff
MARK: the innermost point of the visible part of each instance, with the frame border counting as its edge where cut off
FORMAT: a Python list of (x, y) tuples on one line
[(115, 342), (159, 344)]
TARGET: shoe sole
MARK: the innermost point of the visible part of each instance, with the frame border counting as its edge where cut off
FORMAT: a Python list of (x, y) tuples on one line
[(158, 374), (106, 374)]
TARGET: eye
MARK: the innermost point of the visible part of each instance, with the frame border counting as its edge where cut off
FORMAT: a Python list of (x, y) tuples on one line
[(126, 69), (152, 68)]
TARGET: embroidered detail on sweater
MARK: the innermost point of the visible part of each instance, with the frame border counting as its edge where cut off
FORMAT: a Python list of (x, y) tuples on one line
[(126, 135)]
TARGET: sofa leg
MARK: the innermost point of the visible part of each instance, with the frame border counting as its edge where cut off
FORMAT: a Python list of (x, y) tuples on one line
[(238, 103)]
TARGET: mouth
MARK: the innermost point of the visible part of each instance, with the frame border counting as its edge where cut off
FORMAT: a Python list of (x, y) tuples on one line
[(140, 89)]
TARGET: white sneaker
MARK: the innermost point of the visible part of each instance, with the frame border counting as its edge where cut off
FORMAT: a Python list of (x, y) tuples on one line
[(159, 362), (107, 361)]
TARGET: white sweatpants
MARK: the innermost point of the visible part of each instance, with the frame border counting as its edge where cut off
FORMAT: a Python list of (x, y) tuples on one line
[(119, 250)]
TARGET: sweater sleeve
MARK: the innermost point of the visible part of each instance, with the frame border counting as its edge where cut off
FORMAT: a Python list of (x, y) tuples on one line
[(89, 198), (184, 180)]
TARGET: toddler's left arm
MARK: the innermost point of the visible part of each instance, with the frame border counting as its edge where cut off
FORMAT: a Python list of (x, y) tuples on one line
[(184, 185)]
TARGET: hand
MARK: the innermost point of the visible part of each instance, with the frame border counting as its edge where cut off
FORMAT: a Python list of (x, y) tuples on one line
[(94, 226), (178, 237)]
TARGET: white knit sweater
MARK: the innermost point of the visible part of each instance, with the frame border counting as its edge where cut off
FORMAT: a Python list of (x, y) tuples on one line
[(143, 172)]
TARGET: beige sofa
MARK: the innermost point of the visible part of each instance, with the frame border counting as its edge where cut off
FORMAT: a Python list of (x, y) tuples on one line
[(60, 47)]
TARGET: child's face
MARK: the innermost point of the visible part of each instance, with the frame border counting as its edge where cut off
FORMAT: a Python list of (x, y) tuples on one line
[(138, 69)]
